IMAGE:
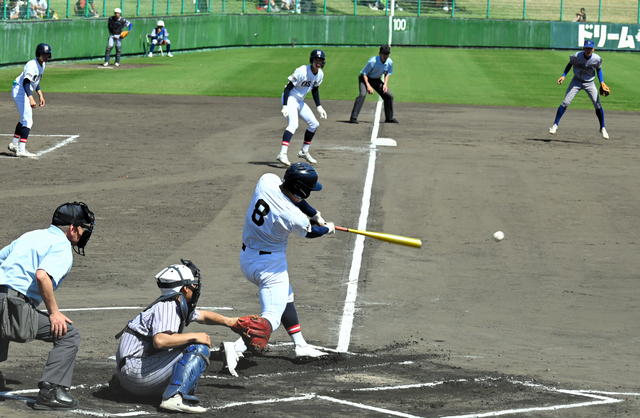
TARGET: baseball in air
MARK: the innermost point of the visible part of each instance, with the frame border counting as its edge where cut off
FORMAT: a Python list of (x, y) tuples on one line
[(498, 235)]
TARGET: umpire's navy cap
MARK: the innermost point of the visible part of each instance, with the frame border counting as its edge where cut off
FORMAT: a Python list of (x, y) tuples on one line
[(589, 44)]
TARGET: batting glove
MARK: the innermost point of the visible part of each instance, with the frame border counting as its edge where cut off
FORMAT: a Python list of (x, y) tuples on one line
[(317, 219), (285, 111), (331, 226), (323, 114)]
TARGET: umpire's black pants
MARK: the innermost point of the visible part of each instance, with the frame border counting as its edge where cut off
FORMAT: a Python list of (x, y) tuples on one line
[(62, 357), (376, 84)]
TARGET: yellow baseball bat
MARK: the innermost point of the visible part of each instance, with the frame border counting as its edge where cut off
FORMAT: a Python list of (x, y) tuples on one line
[(394, 239)]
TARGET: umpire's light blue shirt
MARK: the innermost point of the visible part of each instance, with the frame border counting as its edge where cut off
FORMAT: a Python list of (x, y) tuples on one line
[(42, 249), (376, 69)]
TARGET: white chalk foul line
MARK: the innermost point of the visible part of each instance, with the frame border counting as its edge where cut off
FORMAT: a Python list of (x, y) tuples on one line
[(68, 140), (352, 284)]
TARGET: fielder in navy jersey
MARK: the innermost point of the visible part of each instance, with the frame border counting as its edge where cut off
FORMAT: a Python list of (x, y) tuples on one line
[(586, 64), (155, 356)]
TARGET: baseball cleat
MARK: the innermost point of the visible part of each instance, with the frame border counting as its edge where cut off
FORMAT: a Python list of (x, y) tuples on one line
[(353, 120), (24, 153), (307, 156), (169, 54), (283, 159), (308, 351), (230, 357), (175, 403), (604, 133), (106, 64), (3, 381), (394, 120), (553, 129), (12, 147), (150, 54), (117, 64)]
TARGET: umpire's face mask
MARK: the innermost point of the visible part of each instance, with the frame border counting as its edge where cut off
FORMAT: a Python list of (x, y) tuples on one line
[(87, 230)]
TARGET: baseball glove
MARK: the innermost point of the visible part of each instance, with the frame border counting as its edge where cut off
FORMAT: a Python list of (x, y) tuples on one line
[(604, 90), (124, 34), (255, 332)]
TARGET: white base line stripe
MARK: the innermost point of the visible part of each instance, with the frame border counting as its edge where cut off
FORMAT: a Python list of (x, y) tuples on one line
[(352, 284), (370, 408)]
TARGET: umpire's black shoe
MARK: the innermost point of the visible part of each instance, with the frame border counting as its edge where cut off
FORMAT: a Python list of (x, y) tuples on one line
[(352, 120), (394, 120), (54, 397)]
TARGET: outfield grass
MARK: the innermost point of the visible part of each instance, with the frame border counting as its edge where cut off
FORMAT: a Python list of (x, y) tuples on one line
[(494, 77)]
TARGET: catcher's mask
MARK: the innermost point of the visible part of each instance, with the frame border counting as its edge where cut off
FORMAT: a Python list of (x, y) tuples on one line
[(76, 214), (171, 279)]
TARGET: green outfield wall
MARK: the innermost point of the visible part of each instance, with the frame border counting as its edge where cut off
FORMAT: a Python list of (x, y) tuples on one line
[(87, 38)]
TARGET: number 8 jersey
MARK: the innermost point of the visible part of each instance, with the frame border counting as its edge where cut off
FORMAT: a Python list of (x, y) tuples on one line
[(271, 217)]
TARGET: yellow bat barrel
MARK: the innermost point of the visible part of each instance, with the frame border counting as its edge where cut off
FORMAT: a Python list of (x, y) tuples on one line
[(394, 239)]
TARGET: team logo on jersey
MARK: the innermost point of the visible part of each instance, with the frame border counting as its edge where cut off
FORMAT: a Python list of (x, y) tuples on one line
[(306, 84)]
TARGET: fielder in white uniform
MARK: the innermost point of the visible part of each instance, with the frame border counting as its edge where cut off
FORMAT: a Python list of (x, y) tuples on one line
[(304, 79), (586, 64), (22, 93), (276, 210), (154, 356)]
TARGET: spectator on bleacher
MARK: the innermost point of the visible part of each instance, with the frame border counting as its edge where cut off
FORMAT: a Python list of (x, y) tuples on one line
[(581, 17), (286, 5), (17, 10), (38, 9), (80, 9)]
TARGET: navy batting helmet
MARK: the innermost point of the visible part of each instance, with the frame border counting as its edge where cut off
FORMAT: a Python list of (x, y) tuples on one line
[(43, 49), (317, 53), (301, 179)]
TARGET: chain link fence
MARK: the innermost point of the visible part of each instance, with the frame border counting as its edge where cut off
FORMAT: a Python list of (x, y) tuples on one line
[(612, 11)]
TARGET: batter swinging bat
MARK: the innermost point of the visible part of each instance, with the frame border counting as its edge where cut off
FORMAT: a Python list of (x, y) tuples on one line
[(394, 239)]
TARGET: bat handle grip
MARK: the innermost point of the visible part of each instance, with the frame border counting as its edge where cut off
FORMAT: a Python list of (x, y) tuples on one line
[(341, 228)]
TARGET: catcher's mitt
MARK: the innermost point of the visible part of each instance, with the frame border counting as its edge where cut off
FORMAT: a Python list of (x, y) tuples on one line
[(604, 90), (124, 34), (255, 332)]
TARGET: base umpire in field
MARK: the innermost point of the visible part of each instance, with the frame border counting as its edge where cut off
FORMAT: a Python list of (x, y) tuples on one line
[(375, 76), (31, 268)]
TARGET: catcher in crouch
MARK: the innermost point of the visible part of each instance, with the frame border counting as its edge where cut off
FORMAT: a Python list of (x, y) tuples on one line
[(277, 208), (155, 356)]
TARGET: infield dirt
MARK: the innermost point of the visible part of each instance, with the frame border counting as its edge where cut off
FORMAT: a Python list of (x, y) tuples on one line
[(463, 326)]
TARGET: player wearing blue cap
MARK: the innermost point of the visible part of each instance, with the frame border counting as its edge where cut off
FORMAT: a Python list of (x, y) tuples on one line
[(586, 65)]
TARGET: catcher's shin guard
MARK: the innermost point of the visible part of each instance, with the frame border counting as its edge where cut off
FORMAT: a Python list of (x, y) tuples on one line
[(187, 371), (118, 54), (107, 53)]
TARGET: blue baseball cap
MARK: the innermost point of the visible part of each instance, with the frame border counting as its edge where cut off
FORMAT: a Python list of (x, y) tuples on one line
[(589, 44)]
